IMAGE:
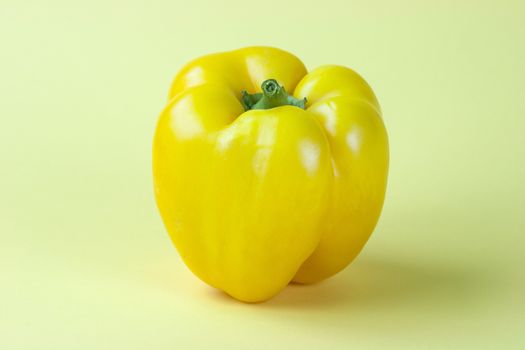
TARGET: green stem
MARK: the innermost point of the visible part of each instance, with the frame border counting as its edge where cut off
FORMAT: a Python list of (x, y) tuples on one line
[(273, 95)]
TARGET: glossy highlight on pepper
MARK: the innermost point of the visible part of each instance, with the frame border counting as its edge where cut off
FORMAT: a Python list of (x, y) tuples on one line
[(265, 173)]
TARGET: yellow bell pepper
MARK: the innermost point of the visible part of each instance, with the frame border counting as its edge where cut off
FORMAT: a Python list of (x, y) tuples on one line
[(258, 188)]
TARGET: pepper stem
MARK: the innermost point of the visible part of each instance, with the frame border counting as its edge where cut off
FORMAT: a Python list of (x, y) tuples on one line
[(273, 95)]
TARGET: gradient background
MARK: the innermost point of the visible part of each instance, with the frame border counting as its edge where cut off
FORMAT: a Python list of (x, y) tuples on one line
[(85, 262)]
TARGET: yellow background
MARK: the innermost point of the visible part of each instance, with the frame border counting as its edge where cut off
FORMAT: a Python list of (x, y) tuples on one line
[(85, 262)]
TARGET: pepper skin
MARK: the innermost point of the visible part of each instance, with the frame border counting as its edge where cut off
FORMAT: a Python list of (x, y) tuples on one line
[(256, 191)]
